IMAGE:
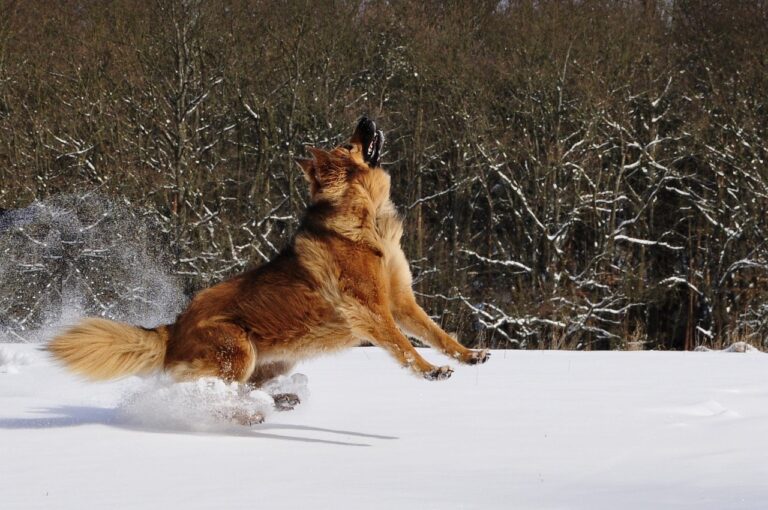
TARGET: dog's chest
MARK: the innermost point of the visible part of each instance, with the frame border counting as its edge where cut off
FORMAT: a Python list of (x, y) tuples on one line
[(389, 228)]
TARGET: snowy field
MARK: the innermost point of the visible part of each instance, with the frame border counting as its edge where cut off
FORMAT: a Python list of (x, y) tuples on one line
[(529, 430)]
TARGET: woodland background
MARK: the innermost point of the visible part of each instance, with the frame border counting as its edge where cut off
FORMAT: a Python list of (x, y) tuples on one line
[(573, 174)]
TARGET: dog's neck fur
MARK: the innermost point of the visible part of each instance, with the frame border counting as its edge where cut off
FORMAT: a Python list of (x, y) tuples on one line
[(355, 217)]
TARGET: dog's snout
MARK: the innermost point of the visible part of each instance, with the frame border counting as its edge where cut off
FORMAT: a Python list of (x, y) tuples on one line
[(366, 128), (370, 139)]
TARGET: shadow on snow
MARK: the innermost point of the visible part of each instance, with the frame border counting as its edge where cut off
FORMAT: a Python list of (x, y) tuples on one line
[(73, 416)]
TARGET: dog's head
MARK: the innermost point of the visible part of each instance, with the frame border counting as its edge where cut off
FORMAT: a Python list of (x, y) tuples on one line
[(331, 173)]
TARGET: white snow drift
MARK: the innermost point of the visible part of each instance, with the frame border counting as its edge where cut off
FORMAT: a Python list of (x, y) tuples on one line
[(11, 360), (528, 430)]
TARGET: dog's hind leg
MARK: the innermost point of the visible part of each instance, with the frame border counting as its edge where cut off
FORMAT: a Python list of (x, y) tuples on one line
[(220, 350), (284, 401), (268, 371), (415, 322)]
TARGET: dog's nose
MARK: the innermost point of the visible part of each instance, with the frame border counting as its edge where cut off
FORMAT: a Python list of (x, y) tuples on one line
[(365, 130)]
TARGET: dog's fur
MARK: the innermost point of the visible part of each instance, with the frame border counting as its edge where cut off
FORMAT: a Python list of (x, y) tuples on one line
[(343, 280)]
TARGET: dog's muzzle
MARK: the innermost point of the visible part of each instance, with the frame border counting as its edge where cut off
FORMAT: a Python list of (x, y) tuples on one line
[(370, 139)]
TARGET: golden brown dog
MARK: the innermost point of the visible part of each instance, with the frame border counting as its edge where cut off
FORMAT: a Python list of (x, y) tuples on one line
[(343, 280)]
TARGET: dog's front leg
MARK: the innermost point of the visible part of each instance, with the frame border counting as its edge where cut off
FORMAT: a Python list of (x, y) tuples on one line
[(379, 328), (415, 322)]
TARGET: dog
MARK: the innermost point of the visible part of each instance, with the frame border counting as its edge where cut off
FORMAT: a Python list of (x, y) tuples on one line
[(342, 281)]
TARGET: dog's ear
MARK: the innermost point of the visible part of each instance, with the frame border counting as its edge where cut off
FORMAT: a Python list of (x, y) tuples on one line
[(322, 157), (306, 166), (324, 169)]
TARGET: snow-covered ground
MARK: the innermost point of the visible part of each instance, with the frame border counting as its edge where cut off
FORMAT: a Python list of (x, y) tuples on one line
[(528, 430)]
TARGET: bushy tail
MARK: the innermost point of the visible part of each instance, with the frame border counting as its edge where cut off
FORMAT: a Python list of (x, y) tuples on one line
[(104, 349)]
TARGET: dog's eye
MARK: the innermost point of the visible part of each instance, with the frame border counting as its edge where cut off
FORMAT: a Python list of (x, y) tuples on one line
[(348, 146)]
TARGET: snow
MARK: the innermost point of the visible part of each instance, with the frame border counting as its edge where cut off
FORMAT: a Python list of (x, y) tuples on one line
[(203, 405), (529, 430), (645, 242), (10, 360)]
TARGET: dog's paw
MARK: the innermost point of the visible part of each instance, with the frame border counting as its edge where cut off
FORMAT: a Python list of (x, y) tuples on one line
[(439, 373), (476, 357), (245, 417), (286, 401)]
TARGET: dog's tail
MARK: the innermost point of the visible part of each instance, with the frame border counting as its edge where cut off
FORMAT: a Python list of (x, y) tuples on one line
[(103, 349)]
